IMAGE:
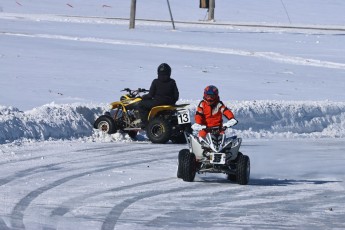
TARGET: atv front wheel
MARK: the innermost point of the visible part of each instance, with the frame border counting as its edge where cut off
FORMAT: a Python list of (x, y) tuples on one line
[(158, 130), (181, 156), (188, 167), (243, 169), (105, 124)]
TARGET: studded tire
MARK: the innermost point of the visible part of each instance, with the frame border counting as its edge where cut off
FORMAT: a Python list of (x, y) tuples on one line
[(181, 156), (188, 167), (243, 169)]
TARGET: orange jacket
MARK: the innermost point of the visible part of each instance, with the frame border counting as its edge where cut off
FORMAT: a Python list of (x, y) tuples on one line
[(212, 115)]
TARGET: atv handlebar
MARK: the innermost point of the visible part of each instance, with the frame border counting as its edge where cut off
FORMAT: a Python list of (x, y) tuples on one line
[(143, 90), (140, 90), (135, 92), (125, 89), (215, 129)]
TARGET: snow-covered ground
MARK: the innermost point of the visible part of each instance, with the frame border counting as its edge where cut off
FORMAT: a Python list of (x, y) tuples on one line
[(284, 85)]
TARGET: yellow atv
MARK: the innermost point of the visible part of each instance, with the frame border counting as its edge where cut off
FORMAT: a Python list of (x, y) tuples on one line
[(165, 122)]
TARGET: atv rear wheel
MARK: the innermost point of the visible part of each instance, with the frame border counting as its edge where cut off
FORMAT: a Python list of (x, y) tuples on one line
[(243, 169), (105, 124), (181, 155), (188, 167), (158, 130)]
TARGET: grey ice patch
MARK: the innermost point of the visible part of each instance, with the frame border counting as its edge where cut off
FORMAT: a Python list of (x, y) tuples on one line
[(1, 10)]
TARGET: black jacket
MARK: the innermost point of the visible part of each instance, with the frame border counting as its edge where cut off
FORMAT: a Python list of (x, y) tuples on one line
[(164, 90)]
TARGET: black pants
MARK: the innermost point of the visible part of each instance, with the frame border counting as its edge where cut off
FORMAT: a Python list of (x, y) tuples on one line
[(145, 107)]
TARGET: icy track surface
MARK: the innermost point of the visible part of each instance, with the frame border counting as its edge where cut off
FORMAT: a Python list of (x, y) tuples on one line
[(257, 119), (76, 185)]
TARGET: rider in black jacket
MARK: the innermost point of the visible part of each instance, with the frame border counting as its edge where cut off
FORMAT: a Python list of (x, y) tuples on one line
[(163, 91)]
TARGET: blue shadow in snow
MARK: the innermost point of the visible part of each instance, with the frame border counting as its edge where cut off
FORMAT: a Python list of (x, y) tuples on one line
[(285, 182), (264, 181)]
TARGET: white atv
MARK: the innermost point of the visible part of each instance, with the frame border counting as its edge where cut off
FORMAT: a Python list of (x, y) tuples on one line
[(214, 154)]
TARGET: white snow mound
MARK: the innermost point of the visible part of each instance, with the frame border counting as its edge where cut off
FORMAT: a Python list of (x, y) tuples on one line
[(257, 119)]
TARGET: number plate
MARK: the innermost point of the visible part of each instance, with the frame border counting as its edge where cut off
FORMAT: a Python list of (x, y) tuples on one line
[(217, 158), (183, 116)]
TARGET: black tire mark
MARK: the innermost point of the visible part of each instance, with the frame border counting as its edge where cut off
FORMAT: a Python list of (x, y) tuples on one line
[(41, 169), (28, 172), (3, 225), (115, 213), (68, 205), (65, 208), (21, 160), (113, 147), (216, 198), (17, 213), (50, 167)]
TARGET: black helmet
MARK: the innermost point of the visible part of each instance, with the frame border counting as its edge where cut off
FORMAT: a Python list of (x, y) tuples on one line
[(164, 69)]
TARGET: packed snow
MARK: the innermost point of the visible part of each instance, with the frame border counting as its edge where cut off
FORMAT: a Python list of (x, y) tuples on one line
[(258, 119), (279, 66)]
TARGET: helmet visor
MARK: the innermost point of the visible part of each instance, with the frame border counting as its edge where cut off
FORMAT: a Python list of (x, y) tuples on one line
[(210, 97)]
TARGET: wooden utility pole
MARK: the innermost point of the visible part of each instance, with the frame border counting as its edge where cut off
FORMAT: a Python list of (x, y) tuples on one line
[(171, 17), (211, 10), (132, 14)]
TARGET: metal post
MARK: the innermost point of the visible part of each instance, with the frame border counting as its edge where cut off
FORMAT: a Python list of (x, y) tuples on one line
[(132, 14), (287, 13), (171, 17), (211, 10)]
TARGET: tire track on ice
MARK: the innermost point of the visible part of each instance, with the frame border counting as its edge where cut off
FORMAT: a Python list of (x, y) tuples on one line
[(54, 167), (238, 206), (116, 211), (17, 214)]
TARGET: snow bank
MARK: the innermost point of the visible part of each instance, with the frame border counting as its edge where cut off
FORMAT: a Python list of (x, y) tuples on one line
[(291, 118), (288, 119), (50, 121), (257, 119)]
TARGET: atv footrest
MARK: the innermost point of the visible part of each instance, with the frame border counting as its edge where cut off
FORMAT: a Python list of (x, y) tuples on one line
[(132, 129)]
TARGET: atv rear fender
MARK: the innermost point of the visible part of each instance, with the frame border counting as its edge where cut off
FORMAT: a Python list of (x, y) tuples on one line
[(160, 108)]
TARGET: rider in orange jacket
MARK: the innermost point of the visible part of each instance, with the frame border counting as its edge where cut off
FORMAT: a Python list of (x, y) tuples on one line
[(210, 111)]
